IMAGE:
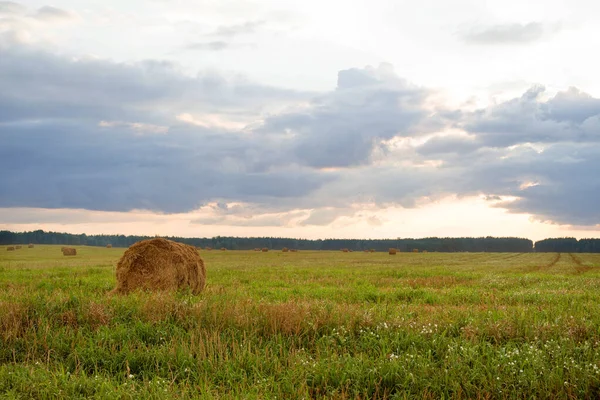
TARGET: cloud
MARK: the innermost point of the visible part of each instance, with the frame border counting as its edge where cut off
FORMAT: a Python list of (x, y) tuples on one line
[(342, 128), (230, 31), (325, 216), (570, 116), (449, 144), (509, 33), (565, 183), (11, 8), (39, 85), (53, 14), (266, 219), (137, 127), (91, 134), (216, 45)]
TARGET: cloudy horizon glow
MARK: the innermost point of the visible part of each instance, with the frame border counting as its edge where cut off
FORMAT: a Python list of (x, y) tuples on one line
[(310, 120)]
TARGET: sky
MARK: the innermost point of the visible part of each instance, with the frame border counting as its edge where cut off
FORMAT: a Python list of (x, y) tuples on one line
[(313, 119)]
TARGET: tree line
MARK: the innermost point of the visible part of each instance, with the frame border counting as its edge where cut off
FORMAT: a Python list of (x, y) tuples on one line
[(447, 244), (482, 244), (568, 245)]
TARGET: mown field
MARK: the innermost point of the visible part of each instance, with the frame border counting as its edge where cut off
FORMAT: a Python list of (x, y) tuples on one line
[(304, 325)]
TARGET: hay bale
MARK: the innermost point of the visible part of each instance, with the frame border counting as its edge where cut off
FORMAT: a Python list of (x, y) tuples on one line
[(10, 248), (294, 250), (160, 264), (365, 250), (424, 251), (372, 250), (30, 246), (208, 248), (285, 250), (264, 249), (223, 249), (69, 251), (18, 247), (257, 249), (415, 250), (109, 246), (392, 251), (345, 250)]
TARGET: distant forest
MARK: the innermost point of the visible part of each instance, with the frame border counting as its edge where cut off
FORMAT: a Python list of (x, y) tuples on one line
[(481, 244)]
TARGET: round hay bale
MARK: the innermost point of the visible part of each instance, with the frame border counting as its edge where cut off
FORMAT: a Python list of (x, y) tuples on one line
[(294, 250), (109, 246), (10, 248), (392, 251), (69, 251), (285, 249), (30, 246), (372, 250), (257, 249), (18, 247), (264, 249), (345, 250), (424, 251), (160, 264), (415, 250), (223, 249)]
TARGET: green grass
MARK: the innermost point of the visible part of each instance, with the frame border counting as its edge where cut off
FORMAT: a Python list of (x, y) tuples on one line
[(304, 325)]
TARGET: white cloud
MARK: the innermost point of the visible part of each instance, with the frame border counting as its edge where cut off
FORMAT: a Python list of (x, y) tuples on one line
[(137, 127)]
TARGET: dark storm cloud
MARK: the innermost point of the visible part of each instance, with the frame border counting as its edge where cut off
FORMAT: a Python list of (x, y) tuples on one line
[(570, 116), (559, 184), (342, 128), (37, 84), (98, 135), (56, 166), (509, 33)]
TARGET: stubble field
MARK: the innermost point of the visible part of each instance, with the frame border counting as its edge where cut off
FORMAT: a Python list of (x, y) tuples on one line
[(304, 325)]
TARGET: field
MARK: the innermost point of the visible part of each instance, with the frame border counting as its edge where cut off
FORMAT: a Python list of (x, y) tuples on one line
[(304, 325)]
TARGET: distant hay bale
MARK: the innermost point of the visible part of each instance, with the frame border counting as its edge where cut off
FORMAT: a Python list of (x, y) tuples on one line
[(257, 249), (372, 250), (294, 250), (208, 248), (415, 250), (30, 246), (69, 251), (18, 247), (365, 250), (285, 250), (223, 249), (160, 264), (345, 250), (392, 251), (109, 246), (10, 248), (265, 249), (424, 251)]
